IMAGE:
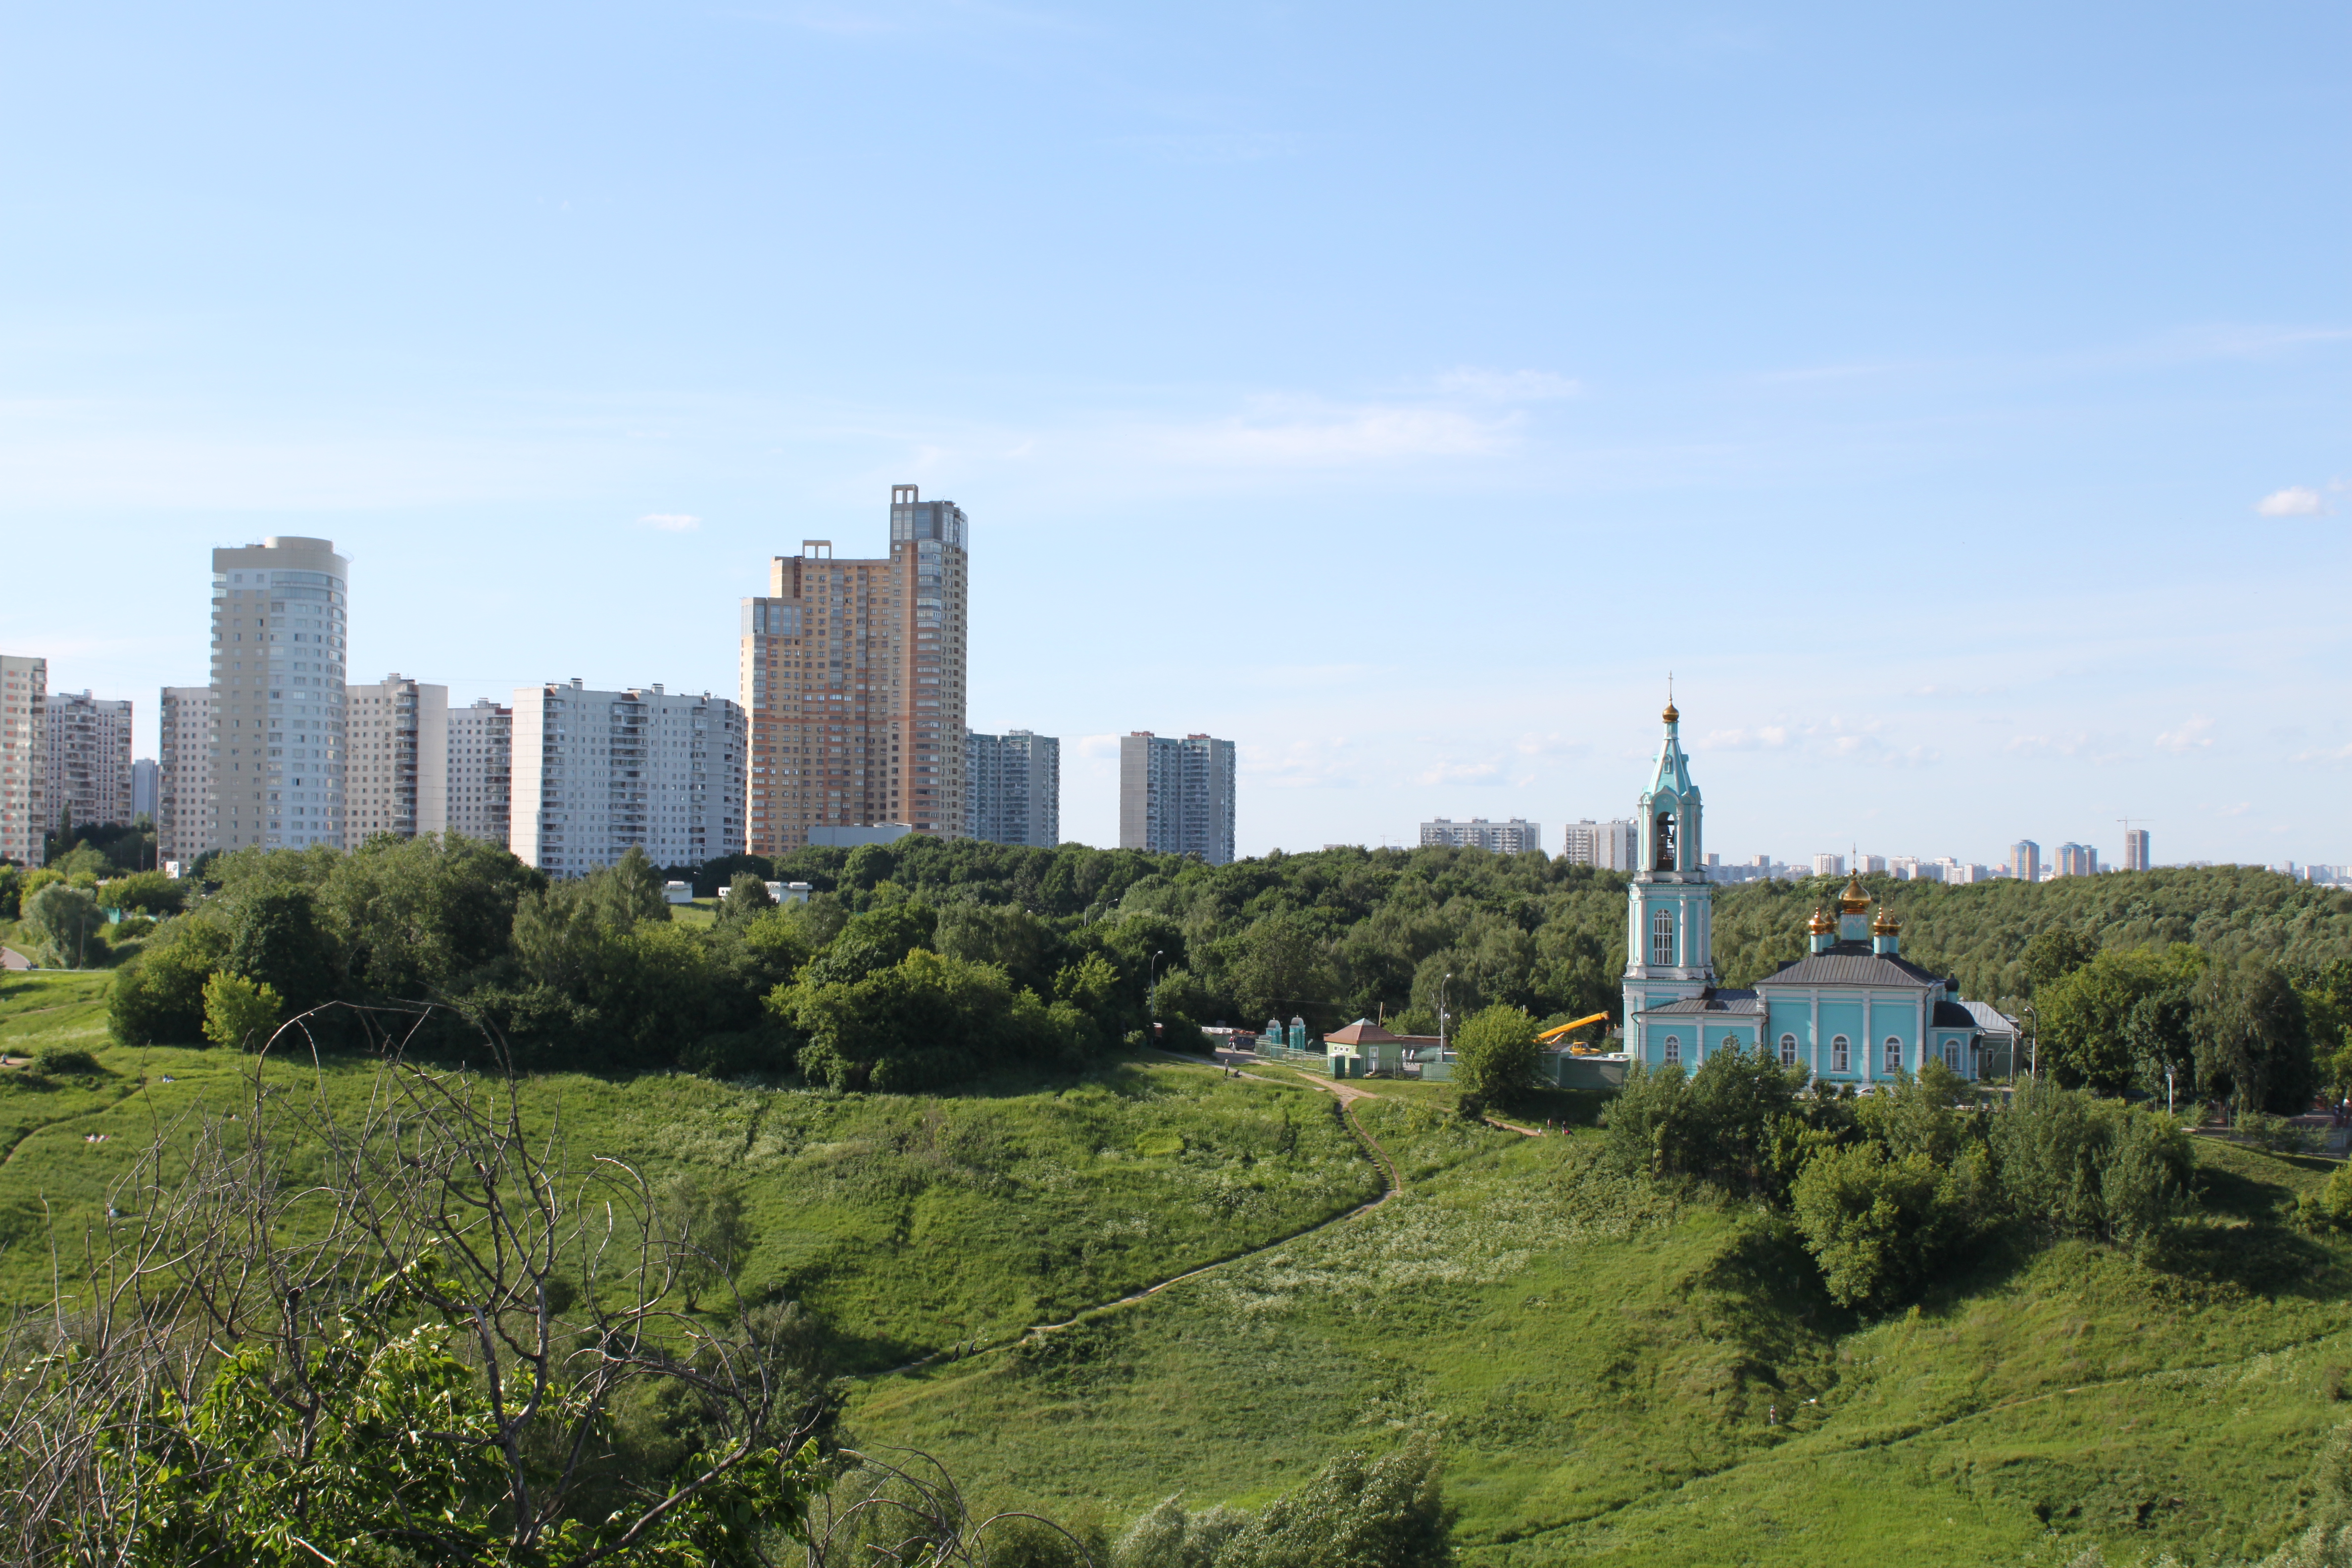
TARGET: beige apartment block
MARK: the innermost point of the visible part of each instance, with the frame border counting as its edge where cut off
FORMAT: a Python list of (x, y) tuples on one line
[(281, 622), (183, 829), (395, 759), (481, 768), (852, 674), (24, 757), (598, 772), (89, 744)]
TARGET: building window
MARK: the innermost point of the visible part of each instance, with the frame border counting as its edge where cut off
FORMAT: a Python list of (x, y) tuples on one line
[(1662, 938), (1894, 1055), (1841, 1055), (1788, 1051), (1952, 1054), (1674, 1049)]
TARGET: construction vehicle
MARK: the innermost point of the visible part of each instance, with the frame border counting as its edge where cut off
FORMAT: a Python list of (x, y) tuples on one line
[(1553, 1036)]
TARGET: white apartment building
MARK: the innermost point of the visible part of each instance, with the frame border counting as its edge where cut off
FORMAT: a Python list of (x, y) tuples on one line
[(1608, 845), (24, 757), (281, 622), (395, 759), (597, 772), (481, 764), (181, 828), (89, 744), (1515, 836), (1829, 865)]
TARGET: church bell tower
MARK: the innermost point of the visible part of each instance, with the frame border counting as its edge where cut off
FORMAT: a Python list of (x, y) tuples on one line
[(1670, 929)]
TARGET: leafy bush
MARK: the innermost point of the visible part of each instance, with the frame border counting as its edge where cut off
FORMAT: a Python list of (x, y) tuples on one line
[(1879, 1228), (60, 1061), (1388, 1512), (2275, 1133), (240, 1012), (158, 999), (67, 923), (2071, 1165), (2329, 1209), (1496, 1055)]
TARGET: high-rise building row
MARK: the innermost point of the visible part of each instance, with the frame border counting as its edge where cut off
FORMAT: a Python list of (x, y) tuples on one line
[(598, 772), (481, 763), (2135, 849), (88, 743), (1013, 788), (853, 676), (1515, 836), (1176, 797), (24, 757), (281, 622), (1608, 845), (395, 759), (186, 755), (1829, 865), (2077, 860), (2025, 860)]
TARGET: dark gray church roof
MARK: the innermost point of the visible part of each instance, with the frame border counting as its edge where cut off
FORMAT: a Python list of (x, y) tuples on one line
[(1717, 1000), (1953, 1015), (1851, 964)]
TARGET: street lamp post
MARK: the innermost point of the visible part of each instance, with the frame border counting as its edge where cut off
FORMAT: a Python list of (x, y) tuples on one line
[(2033, 1043), (1152, 990), (1440, 1016)]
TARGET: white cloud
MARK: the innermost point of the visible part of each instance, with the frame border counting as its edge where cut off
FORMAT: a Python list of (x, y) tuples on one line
[(1507, 385), (2296, 501), (671, 522), (2189, 737)]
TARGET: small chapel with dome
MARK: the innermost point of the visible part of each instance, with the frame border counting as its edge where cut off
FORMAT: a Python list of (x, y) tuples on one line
[(1853, 1010)]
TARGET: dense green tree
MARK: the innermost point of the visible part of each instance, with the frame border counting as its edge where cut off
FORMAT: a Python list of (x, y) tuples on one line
[(919, 1024), (2106, 1018), (158, 999), (2254, 1041), (747, 895), (2053, 954), (277, 939), (68, 924), (424, 918), (1284, 969), (146, 893), (1495, 1055)]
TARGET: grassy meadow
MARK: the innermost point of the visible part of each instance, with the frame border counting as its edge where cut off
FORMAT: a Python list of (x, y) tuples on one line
[(1613, 1373), (906, 1223)]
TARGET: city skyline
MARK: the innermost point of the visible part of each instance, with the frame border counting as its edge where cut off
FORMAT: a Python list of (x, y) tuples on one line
[(1978, 404)]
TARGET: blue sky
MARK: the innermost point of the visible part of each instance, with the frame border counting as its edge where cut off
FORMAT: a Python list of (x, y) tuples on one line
[(1954, 399)]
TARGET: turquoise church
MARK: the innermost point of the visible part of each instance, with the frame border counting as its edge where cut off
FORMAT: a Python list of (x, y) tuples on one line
[(1853, 1010)]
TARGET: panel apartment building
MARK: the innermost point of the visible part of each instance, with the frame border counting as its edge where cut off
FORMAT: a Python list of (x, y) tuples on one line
[(1608, 845), (24, 757), (181, 830), (596, 772), (481, 763), (1013, 788), (87, 741), (395, 759), (281, 622), (853, 676), (186, 714), (1176, 797), (1515, 836)]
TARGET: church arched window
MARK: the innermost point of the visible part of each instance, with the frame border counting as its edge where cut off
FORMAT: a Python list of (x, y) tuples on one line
[(1674, 1049), (1841, 1055), (1894, 1055), (1788, 1051), (1664, 859), (1662, 938)]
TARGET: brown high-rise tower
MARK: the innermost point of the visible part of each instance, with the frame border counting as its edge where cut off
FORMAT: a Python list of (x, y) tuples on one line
[(854, 677)]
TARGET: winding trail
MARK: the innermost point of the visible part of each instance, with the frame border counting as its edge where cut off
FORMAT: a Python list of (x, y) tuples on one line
[(1347, 1094)]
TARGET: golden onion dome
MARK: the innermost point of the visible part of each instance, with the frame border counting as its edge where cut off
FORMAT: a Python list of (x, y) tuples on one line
[(1672, 715), (1821, 924), (1886, 924), (1854, 901)]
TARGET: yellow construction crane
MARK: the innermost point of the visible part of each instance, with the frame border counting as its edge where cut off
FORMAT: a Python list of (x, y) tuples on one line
[(1551, 1037)]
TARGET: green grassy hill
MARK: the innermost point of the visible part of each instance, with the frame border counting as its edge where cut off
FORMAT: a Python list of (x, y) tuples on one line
[(1611, 1372), (1615, 1374)]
